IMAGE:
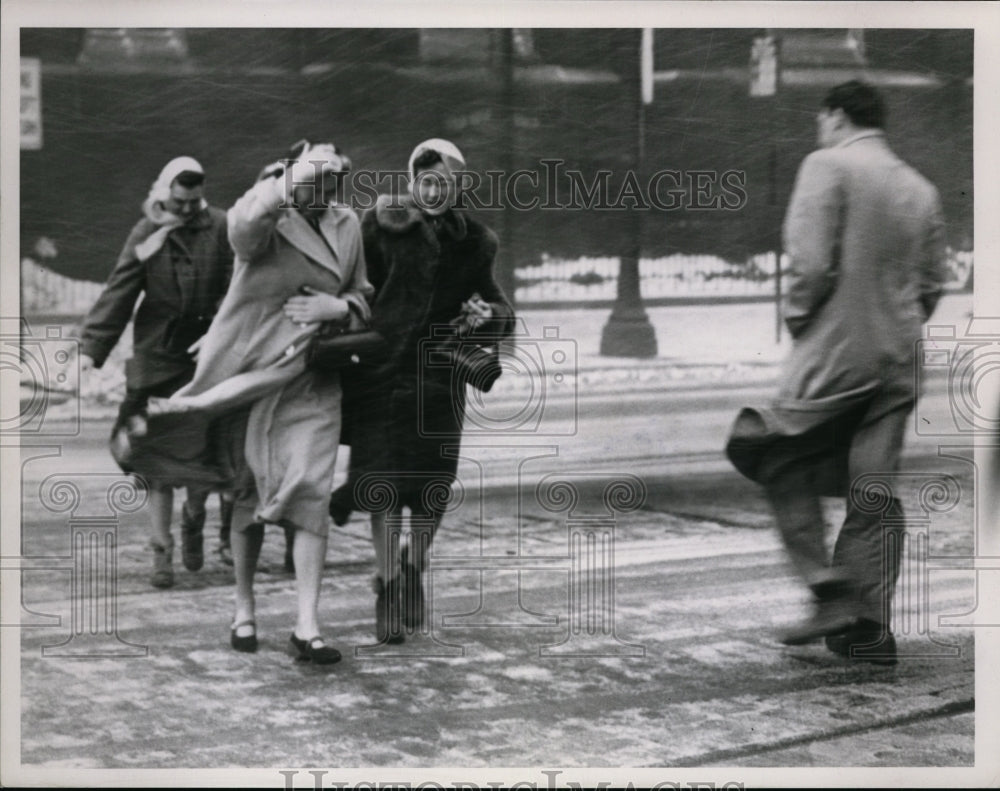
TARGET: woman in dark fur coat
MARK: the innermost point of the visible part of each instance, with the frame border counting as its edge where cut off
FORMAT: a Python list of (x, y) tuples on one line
[(432, 269)]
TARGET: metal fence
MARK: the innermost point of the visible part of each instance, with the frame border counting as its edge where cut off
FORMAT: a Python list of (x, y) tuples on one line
[(45, 291), (583, 280), (676, 277)]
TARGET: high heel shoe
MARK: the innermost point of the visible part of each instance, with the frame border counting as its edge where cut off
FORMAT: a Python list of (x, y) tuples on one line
[(163, 570), (247, 644), (314, 650)]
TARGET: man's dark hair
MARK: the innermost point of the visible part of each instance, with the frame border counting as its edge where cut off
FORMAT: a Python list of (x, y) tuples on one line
[(860, 102), (428, 159), (189, 179)]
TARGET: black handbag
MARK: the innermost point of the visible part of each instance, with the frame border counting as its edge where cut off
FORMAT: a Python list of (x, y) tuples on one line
[(338, 345), (476, 360), (474, 364)]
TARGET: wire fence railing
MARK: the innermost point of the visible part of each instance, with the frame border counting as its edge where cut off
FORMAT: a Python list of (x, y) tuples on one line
[(553, 280), (674, 277)]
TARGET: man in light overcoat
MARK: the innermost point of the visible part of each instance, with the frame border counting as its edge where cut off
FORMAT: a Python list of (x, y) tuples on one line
[(865, 238)]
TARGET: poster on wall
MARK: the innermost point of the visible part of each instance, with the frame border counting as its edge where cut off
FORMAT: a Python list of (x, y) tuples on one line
[(31, 104)]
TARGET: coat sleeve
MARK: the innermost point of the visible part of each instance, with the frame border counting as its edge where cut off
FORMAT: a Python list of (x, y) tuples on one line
[(933, 265), (813, 229), (252, 219), (358, 290), (375, 267), (109, 316), (502, 323), (226, 254)]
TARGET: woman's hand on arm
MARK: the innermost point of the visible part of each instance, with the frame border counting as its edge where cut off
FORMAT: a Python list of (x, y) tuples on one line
[(315, 306)]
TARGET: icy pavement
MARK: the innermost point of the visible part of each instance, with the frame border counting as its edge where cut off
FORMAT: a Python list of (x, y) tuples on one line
[(514, 667)]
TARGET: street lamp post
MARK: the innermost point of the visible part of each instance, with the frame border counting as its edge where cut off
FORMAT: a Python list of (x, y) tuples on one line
[(628, 332), (507, 129), (764, 76)]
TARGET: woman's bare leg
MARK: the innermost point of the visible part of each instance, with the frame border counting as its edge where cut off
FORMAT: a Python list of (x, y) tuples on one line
[(246, 546), (309, 551)]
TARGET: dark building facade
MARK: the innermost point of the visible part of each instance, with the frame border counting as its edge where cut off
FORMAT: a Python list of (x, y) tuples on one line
[(117, 104)]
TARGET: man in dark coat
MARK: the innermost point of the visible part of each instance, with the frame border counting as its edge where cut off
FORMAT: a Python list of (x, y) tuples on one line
[(865, 239), (179, 259)]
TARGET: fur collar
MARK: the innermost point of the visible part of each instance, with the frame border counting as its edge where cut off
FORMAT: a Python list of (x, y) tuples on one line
[(401, 214)]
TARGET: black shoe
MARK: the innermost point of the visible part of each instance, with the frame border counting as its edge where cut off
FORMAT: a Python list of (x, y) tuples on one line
[(163, 570), (314, 650), (412, 593), (834, 613), (388, 622), (248, 644), (192, 539), (865, 641)]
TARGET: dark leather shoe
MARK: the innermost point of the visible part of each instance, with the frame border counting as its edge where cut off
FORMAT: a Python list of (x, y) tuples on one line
[(163, 570), (412, 593), (314, 650), (834, 613), (248, 643), (865, 641), (192, 539), (388, 619)]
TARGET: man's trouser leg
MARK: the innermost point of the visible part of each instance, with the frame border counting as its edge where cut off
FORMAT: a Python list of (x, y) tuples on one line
[(791, 491), (865, 547)]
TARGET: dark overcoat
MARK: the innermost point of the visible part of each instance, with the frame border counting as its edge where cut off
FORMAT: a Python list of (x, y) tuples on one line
[(403, 414), (182, 286)]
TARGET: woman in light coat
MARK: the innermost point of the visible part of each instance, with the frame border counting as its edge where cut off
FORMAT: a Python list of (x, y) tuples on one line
[(298, 264)]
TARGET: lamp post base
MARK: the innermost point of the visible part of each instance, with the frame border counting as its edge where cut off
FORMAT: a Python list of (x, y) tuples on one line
[(628, 336)]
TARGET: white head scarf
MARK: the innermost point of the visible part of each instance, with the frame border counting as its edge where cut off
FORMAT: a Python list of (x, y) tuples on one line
[(154, 209), (450, 155)]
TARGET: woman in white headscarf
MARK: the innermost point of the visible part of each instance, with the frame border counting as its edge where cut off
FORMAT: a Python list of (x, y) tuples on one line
[(299, 262), (178, 258), (432, 269)]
